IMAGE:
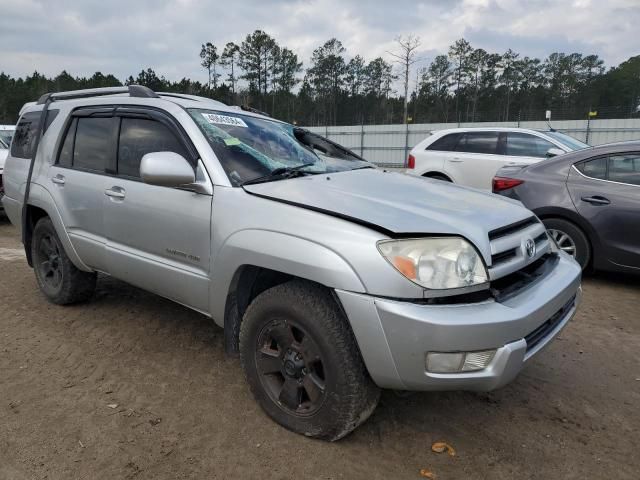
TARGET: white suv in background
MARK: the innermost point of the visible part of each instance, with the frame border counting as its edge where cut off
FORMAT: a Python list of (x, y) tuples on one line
[(472, 156)]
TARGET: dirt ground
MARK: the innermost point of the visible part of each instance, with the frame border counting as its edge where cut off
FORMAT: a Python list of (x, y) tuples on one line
[(133, 386)]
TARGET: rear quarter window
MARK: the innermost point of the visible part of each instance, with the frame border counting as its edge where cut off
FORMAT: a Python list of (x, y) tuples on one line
[(26, 131), (445, 144)]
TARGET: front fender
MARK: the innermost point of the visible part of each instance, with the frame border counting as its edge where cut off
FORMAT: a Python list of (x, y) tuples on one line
[(283, 253)]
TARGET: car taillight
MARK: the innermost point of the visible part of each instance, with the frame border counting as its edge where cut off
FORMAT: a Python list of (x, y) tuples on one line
[(504, 183), (411, 162)]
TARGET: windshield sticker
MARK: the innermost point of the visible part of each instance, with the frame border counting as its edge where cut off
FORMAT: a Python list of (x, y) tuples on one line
[(232, 141), (224, 120)]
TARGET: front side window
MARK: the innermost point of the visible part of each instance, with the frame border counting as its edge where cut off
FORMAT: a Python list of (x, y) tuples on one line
[(93, 143), (139, 136), (625, 168), (596, 168), (250, 148), (526, 145), (478, 142)]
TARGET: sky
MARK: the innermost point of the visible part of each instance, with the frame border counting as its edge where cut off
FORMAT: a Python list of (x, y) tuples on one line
[(124, 36)]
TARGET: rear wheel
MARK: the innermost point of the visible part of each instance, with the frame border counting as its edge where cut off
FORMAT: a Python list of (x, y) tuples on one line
[(58, 278), (570, 239), (303, 364)]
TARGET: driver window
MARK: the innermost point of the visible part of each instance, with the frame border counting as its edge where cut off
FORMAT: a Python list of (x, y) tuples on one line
[(139, 136)]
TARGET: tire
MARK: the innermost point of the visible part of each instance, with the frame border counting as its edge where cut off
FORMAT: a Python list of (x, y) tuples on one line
[(570, 238), (320, 370), (58, 278), (437, 176)]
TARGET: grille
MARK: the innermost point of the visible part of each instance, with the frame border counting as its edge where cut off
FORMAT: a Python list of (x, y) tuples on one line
[(514, 227), (508, 254), (540, 333)]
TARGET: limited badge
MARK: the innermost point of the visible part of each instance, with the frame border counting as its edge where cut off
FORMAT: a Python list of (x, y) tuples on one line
[(217, 119)]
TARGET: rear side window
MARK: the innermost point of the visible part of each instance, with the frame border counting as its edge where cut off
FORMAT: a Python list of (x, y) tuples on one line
[(478, 142), (93, 143), (625, 168), (26, 132), (139, 136), (594, 168), (66, 153), (526, 145), (446, 143)]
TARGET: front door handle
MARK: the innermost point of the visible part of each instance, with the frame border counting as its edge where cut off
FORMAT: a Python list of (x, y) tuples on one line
[(58, 179), (596, 200), (115, 192)]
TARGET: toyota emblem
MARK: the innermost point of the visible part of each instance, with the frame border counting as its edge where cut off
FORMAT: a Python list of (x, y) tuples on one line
[(530, 247)]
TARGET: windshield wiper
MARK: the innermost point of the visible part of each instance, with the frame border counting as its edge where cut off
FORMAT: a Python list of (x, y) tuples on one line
[(282, 172)]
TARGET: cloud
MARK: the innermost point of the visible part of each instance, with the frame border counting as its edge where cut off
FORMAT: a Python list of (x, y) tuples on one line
[(123, 37)]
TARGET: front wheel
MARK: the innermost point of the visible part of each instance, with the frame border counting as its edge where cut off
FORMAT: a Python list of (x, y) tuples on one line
[(302, 362)]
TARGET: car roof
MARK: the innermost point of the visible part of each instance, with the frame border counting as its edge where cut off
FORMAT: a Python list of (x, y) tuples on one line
[(490, 129), (105, 97)]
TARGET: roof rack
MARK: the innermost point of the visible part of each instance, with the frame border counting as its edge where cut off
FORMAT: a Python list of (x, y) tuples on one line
[(194, 98), (139, 91)]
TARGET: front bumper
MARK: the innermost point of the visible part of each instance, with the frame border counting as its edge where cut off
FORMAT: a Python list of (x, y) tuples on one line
[(395, 336)]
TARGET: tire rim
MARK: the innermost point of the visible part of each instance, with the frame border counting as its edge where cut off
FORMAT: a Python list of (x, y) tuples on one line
[(290, 368), (49, 262), (564, 241)]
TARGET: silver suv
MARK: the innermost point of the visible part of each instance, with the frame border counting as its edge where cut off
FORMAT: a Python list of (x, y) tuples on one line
[(331, 278)]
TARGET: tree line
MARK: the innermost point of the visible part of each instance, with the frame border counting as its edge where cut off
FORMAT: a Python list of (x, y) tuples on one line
[(465, 84)]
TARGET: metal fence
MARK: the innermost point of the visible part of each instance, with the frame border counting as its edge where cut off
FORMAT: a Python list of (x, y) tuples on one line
[(389, 145)]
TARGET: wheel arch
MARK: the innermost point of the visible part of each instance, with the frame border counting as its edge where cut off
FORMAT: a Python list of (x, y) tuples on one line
[(252, 261), (578, 221), (434, 173), (41, 205)]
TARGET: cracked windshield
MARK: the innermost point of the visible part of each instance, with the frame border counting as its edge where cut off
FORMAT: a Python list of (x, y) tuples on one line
[(253, 149)]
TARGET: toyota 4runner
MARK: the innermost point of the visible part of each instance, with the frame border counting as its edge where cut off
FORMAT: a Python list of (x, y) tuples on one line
[(331, 278)]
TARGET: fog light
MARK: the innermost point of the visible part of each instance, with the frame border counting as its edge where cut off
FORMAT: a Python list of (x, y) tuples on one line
[(439, 362), (444, 362)]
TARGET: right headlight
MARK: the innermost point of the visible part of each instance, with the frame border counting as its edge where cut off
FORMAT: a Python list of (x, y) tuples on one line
[(436, 263)]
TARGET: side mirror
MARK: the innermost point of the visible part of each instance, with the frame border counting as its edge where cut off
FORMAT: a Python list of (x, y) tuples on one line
[(166, 169), (554, 152)]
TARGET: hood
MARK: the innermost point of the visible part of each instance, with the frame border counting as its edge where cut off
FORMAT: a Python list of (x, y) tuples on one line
[(398, 204)]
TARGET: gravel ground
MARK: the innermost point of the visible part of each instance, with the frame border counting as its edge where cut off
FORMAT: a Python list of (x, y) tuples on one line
[(133, 386)]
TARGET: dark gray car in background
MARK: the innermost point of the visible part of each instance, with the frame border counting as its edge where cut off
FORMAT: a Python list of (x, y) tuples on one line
[(589, 200)]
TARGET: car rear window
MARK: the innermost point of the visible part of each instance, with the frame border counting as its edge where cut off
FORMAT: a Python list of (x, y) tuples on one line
[(478, 142)]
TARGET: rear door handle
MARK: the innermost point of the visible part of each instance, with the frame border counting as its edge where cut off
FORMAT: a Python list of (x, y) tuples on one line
[(596, 200), (58, 179), (456, 160), (115, 192)]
